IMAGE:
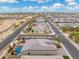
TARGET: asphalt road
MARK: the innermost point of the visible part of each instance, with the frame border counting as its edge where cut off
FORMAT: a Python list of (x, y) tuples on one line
[(11, 37), (68, 45)]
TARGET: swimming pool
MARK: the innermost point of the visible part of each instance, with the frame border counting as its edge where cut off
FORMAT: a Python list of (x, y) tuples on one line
[(18, 50)]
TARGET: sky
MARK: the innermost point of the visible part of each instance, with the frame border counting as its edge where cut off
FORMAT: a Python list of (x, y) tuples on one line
[(7, 6)]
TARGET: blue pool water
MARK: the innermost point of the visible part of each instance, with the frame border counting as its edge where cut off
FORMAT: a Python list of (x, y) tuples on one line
[(18, 50)]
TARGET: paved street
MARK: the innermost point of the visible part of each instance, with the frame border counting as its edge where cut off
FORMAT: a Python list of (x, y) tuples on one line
[(69, 46), (11, 37)]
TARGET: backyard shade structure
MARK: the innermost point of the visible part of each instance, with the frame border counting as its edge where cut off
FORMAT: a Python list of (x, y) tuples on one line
[(39, 47)]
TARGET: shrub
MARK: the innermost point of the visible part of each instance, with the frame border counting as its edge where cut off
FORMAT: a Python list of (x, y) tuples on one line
[(65, 29), (75, 36), (66, 57), (69, 28), (58, 45), (58, 39)]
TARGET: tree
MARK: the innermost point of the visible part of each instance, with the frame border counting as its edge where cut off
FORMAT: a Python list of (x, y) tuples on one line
[(66, 57), (58, 39), (32, 31), (58, 42)]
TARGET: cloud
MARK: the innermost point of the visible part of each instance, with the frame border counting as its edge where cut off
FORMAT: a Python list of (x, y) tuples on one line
[(27, 9), (44, 7), (71, 9), (69, 0), (73, 4), (38, 1), (77, 7), (30, 8), (58, 5), (8, 1), (17, 9)]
